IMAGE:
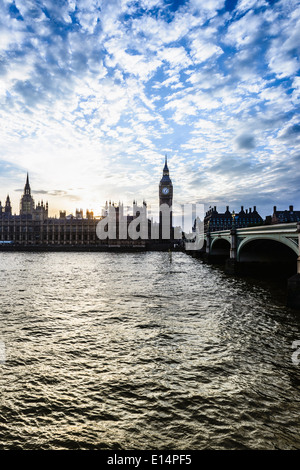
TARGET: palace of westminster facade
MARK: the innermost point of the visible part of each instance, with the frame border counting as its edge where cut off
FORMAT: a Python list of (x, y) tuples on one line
[(34, 228)]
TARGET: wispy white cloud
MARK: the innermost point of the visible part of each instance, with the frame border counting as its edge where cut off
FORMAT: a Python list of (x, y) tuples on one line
[(284, 51), (94, 93), (203, 50)]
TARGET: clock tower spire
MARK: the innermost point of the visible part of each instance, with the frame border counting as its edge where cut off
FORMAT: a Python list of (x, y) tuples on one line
[(165, 203), (166, 186)]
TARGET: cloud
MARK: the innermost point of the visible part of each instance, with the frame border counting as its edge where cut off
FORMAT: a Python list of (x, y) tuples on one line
[(91, 92), (247, 31), (209, 7), (203, 50), (9, 170), (291, 134), (284, 51), (246, 5), (177, 57), (245, 142)]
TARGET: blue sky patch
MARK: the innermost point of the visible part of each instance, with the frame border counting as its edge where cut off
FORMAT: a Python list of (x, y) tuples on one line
[(95, 93)]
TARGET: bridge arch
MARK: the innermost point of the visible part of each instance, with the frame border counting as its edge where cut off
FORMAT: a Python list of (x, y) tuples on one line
[(274, 240), (274, 257), (220, 247), (217, 240)]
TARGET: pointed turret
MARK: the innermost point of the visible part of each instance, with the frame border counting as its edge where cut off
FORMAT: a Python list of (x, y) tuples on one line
[(166, 169), (166, 174), (27, 203), (7, 208), (27, 189)]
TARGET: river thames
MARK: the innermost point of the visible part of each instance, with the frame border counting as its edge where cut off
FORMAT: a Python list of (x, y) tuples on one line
[(143, 351)]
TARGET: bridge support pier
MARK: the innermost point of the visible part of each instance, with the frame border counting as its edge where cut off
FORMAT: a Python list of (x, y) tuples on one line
[(293, 287), (207, 258), (206, 255), (231, 266), (293, 292)]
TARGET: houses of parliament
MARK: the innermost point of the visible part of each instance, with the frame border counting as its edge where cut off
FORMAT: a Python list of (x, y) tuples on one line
[(34, 228)]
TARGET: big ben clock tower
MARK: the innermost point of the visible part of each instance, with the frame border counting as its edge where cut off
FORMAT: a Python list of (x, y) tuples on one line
[(165, 204)]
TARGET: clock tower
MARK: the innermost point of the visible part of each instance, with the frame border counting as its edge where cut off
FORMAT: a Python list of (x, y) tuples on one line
[(165, 204)]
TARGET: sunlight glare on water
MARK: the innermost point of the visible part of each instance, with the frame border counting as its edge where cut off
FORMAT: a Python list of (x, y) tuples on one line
[(143, 351)]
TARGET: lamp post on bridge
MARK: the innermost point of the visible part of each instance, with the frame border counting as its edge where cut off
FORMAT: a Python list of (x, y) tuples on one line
[(293, 288), (231, 263), (233, 238)]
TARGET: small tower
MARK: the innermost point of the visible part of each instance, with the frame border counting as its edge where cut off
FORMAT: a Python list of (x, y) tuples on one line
[(41, 211), (27, 189), (7, 208), (27, 202)]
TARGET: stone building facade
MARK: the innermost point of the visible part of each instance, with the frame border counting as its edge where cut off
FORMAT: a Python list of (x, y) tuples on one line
[(33, 227), (285, 216), (214, 220)]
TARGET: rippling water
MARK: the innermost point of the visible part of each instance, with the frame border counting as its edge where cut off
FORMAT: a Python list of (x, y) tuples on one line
[(143, 351)]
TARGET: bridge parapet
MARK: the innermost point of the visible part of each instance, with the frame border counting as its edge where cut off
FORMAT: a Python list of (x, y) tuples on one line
[(287, 234), (283, 233), (260, 229), (230, 246)]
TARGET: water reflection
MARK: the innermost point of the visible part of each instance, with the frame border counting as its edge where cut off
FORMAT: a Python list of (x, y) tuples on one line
[(143, 351)]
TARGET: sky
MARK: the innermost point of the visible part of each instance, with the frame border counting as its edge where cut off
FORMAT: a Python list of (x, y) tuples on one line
[(95, 93)]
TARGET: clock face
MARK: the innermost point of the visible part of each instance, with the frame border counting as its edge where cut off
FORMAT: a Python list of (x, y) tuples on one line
[(165, 190)]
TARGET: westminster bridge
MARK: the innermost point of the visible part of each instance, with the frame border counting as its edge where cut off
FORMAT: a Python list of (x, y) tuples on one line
[(273, 248)]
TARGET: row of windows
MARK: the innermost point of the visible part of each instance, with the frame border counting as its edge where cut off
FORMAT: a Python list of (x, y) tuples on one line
[(29, 237), (244, 222), (289, 219), (12, 228)]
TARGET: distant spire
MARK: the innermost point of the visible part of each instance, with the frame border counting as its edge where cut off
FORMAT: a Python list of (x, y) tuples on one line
[(7, 205), (166, 164), (27, 189)]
